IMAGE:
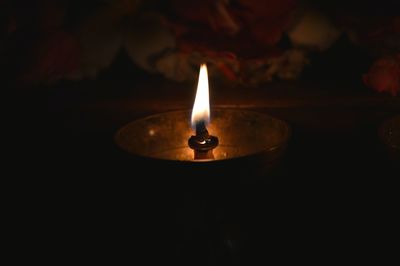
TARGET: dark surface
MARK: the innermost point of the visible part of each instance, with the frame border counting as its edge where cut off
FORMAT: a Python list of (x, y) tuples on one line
[(77, 198), (332, 196)]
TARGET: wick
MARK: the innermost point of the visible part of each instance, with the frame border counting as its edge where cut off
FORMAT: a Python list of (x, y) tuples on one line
[(201, 131), (202, 143)]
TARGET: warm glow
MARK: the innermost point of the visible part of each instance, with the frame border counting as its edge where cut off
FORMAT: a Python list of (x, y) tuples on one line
[(201, 107)]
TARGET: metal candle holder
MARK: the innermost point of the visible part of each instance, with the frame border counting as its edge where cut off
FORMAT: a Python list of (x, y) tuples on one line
[(248, 144)]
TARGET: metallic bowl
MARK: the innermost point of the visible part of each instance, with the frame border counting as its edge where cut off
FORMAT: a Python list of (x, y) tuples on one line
[(250, 143)]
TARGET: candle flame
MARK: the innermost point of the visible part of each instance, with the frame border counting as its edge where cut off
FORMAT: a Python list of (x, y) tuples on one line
[(201, 106)]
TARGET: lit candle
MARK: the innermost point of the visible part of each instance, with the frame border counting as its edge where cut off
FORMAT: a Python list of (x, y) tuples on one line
[(202, 143), (247, 140)]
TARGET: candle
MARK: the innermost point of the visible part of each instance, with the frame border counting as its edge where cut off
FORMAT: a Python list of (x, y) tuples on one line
[(202, 143), (249, 143)]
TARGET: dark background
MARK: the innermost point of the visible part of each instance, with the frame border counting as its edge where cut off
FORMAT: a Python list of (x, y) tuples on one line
[(332, 196)]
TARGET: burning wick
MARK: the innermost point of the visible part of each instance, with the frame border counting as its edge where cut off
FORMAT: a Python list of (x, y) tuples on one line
[(202, 143)]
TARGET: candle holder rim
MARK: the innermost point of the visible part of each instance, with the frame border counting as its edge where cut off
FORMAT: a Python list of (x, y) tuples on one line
[(212, 109)]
